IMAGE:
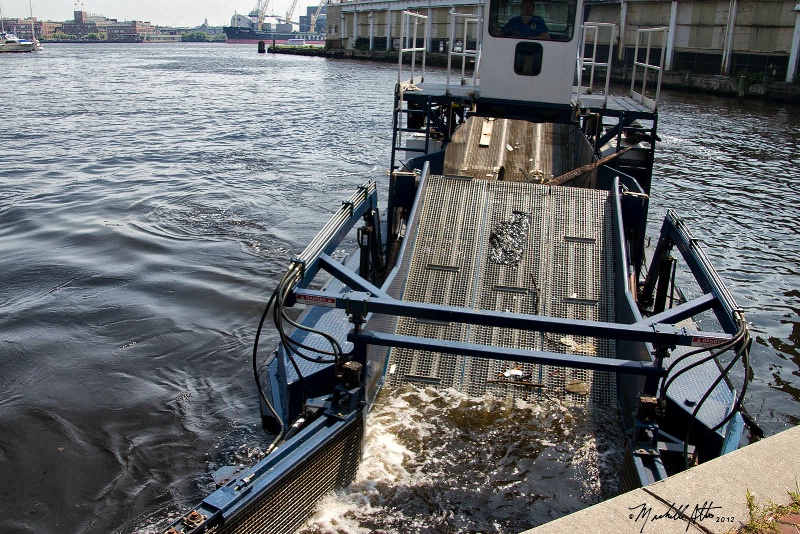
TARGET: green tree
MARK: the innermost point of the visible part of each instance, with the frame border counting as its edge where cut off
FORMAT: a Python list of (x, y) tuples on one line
[(61, 36), (195, 37)]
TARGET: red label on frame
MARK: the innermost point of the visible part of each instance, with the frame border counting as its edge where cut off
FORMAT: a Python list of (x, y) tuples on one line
[(702, 341), (319, 300)]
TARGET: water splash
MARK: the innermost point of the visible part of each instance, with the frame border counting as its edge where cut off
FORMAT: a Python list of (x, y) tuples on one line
[(440, 461)]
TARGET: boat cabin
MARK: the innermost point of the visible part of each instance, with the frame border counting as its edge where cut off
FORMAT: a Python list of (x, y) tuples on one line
[(529, 50)]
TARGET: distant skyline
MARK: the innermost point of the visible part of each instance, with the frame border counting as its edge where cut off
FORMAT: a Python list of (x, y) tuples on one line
[(160, 12)]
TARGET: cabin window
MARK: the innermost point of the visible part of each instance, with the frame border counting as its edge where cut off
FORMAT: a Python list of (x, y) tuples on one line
[(551, 20), (528, 59)]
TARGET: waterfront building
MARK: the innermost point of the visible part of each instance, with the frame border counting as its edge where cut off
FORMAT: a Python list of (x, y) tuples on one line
[(375, 25), (22, 27), (204, 28), (80, 25), (84, 25), (710, 36), (127, 30)]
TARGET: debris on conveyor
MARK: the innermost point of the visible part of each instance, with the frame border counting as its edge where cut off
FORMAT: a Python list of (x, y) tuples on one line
[(579, 387), (507, 240)]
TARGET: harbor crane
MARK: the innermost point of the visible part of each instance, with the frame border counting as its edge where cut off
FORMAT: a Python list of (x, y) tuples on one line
[(290, 13), (258, 13), (314, 17)]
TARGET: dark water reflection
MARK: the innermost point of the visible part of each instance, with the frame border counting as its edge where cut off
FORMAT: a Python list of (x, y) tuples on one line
[(732, 169), (152, 196)]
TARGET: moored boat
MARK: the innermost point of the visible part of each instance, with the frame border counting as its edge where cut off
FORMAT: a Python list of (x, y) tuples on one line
[(11, 43), (510, 262), (252, 29), (245, 35)]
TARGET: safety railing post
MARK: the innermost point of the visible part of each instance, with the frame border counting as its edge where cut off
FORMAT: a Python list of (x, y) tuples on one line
[(407, 33), (648, 66), (592, 62), (466, 19)]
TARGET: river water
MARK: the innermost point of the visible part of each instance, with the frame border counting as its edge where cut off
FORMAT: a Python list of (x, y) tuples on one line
[(150, 199)]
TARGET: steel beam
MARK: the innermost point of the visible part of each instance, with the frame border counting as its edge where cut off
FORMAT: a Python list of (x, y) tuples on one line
[(594, 363), (657, 334)]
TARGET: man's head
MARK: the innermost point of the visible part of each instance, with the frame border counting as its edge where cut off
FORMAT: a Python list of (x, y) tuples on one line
[(527, 7)]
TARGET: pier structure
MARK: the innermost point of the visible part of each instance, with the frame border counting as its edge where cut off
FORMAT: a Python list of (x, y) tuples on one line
[(724, 37), (376, 24), (753, 38)]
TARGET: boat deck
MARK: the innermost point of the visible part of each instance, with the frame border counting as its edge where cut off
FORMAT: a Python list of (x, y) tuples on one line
[(613, 104), (511, 150), (689, 388)]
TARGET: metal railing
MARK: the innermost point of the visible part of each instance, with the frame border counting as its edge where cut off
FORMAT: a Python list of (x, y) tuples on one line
[(465, 19), (600, 33), (649, 65), (409, 34), (411, 24)]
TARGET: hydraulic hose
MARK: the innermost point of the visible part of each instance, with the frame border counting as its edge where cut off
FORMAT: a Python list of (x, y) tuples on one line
[(742, 340), (257, 376), (669, 378)]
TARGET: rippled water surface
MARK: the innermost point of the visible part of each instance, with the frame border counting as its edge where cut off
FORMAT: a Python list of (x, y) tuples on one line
[(151, 197)]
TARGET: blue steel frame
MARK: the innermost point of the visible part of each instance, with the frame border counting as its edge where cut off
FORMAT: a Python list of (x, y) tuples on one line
[(228, 499), (235, 496), (675, 232), (337, 228), (365, 298), (656, 330), (241, 491), (362, 303)]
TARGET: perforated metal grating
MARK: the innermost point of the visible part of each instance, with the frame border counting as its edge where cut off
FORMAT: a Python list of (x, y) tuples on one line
[(579, 282), (565, 270), (441, 272), (285, 506)]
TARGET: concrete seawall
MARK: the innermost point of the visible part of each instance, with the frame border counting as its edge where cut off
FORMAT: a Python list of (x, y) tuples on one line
[(704, 83), (708, 498)]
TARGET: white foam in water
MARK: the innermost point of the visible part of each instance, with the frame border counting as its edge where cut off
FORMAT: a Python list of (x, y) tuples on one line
[(443, 461)]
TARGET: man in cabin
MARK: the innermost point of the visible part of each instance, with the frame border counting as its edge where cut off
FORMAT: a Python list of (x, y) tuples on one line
[(527, 25)]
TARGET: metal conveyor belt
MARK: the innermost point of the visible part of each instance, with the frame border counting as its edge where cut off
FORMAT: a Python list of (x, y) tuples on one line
[(564, 270)]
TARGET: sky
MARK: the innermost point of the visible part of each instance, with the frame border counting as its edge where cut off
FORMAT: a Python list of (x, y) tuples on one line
[(160, 12)]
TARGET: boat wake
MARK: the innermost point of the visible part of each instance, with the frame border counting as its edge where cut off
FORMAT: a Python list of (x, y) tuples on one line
[(445, 462)]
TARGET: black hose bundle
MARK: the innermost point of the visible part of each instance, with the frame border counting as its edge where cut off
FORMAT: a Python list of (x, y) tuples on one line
[(740, 343), (293, 348)]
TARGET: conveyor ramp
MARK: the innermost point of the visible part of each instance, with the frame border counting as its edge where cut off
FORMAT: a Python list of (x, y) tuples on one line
[(563, 269)]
